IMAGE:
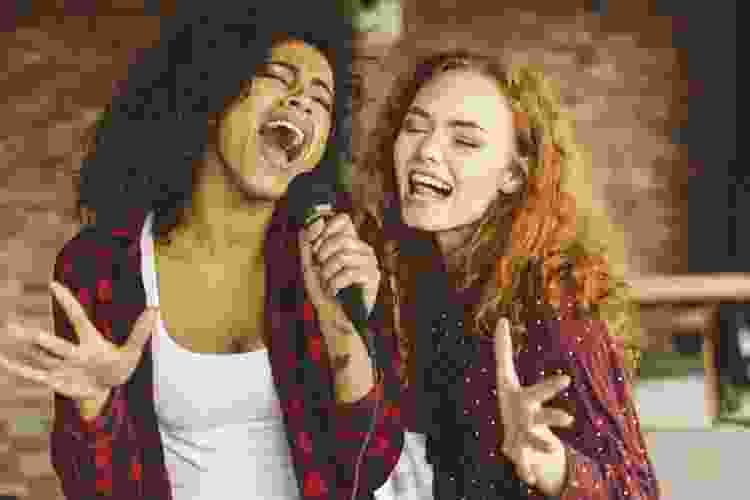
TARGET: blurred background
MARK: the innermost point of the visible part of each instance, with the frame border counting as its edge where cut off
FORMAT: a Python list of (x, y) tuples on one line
[(646, 80)]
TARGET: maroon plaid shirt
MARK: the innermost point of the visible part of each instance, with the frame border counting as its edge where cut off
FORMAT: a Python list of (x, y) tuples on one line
[(119, 454)]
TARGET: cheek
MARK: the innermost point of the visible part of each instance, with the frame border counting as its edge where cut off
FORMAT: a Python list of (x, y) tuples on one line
[(318, 147), (484, 167), (479, 177), (402, 151), (237, 128), (232, 139)]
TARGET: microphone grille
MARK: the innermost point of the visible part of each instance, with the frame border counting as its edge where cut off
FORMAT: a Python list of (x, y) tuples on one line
[(305, 192)]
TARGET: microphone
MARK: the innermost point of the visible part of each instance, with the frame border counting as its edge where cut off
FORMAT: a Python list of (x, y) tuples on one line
[(310, 198)]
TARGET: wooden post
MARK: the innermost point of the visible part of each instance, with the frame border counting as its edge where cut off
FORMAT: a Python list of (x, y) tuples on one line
[(709, 290), (711, 364)]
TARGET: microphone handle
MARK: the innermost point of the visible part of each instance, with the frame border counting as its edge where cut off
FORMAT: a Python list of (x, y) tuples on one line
[(353, 303)]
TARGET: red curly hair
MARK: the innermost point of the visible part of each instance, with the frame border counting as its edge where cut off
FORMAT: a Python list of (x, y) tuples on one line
[(539, 224)]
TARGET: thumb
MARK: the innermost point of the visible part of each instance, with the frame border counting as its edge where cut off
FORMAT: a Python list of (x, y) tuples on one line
[(305, 252), (142, 330), (506, 369), (312, 281)]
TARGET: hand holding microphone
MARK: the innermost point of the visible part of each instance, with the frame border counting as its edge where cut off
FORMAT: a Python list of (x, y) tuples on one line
[(341, 278), (340, 271), (333, 259)]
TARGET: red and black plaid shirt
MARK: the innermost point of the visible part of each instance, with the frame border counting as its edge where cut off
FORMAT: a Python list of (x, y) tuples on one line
[(119, 454)]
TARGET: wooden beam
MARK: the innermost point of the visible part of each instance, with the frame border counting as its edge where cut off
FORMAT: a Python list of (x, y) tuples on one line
[(696, 288)]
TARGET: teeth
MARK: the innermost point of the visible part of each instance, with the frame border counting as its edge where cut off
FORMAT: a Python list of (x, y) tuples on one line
[(299, 136), (431, 182)]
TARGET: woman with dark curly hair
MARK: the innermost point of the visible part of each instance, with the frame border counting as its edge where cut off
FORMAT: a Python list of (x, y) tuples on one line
[(199, 350), (502, 294)]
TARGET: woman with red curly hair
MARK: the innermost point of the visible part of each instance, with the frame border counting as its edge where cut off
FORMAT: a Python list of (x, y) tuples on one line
[(516, 341)]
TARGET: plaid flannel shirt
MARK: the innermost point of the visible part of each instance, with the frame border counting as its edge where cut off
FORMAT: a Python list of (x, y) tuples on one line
[(119, 454)]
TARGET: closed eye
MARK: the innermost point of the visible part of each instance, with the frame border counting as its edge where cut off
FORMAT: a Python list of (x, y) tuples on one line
[(412, 128), (268, 74), (325, 104), (467, 144)]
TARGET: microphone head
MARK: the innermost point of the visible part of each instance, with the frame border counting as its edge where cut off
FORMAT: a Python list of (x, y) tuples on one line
[(305, 192)]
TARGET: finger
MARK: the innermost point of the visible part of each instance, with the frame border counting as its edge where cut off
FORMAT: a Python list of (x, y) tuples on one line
[(553, 417), (507, 377), (345, 258), (305, 250), (40, 357), (17, 332), (312, 232), (331, 244), (142, 330), (81, 324), (24, 371), (352, 276), (530, 439), (55, 345), (510, 443), (338, 224), (310, 273), (523, 465), (546, 389)]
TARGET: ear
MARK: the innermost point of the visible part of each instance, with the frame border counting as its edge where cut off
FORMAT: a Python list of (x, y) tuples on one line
[(514, 176)]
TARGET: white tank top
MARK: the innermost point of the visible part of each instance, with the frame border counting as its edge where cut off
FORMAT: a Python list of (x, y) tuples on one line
[(219, 416), (412, 477)]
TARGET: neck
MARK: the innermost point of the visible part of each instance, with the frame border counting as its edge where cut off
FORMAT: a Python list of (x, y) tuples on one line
[(451, 241), (222, 217)]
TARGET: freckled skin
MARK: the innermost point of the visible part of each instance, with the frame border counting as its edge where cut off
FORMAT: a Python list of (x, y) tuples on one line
[(212, 275), (474, 161)]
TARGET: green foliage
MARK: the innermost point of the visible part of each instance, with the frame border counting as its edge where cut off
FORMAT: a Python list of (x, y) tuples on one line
[(375, 15), (103, 120)]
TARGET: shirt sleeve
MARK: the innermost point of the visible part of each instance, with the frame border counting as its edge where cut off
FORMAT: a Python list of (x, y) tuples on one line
[(605, 450), (81, 451), (353, 421)]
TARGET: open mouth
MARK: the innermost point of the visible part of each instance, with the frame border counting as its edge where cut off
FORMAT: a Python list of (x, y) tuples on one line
[(427, 185), (285, 137)]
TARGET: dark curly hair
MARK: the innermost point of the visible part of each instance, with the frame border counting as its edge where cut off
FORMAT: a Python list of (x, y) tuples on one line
[(142, 151)]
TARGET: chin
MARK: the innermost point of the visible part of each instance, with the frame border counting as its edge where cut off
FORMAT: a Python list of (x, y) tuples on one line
[(264, 187), (422, 221)]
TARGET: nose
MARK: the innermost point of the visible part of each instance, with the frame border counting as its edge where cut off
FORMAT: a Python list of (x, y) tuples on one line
[(429, 148), (301, 103)]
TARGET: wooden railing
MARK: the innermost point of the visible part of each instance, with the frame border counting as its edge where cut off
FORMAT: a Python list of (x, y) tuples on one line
[(687, 304)]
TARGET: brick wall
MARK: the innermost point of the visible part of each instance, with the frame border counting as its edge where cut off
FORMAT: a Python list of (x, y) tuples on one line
[(57, 74), (620, 76)]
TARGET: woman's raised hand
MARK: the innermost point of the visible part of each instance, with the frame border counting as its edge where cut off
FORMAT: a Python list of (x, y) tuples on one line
[(537, 453), (83, 372)]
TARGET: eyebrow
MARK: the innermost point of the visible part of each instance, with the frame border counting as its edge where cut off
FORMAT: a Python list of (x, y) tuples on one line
[(294, 69), (416, 110)]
